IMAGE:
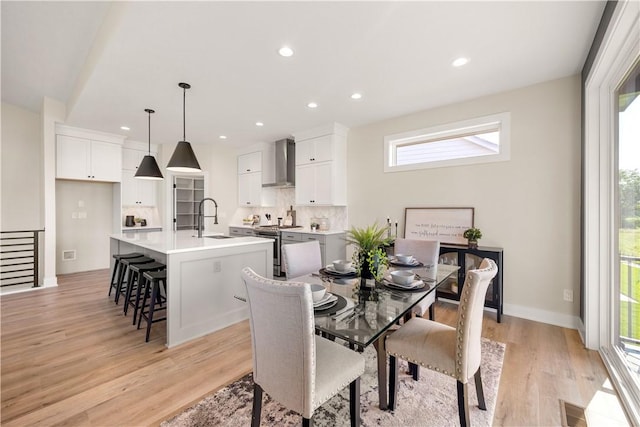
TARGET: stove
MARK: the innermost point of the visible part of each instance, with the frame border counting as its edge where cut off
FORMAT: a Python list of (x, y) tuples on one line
[(273, 232)]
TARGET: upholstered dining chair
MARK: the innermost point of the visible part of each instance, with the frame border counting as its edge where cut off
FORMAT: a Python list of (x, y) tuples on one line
[(451, 351), (301, 258), (427, 252), (297, 368)]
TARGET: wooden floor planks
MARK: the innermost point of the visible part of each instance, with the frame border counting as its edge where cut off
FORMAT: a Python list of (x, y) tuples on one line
[(70, 357)]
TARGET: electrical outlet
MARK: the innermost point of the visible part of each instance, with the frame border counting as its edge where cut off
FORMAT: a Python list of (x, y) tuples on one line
[(568, 295), (217, 267)]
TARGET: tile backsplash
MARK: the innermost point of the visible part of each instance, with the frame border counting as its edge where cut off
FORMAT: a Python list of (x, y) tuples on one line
[(337, 216)]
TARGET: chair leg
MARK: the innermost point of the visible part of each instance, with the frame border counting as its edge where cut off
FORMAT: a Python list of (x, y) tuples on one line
[(121, 277), (354, 402), (414, 370), (142, 283), (144, 303), (115, 274), (463, 405), (152, 306), (480, 391), (432, 312), (257, 406), (134, 278), (393, 382)]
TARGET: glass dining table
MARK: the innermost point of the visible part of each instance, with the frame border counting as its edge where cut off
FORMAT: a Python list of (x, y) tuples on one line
[(366, 312)]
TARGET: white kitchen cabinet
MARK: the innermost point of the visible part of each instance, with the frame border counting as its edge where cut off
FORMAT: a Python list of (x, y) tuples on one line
[(314, 184), (319, 149), (249, 163), (87, 159), (135, 191), (250, 179), (250, 189), (321, 168)]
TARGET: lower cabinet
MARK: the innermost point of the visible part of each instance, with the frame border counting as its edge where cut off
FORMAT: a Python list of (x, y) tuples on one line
[(332, 246), (241, 232), (470, 259)]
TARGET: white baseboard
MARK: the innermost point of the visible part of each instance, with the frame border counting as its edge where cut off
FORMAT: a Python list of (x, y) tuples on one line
[(543, 316), (49, 282)]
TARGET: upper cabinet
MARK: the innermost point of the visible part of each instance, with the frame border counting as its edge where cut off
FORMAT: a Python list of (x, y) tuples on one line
[(250, 179), (251, 162), (312, 150), (135, 191), (321, 166), (87, 155)]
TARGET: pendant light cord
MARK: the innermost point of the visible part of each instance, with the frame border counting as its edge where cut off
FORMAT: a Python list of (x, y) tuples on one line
[(184, 119), (149, 111)]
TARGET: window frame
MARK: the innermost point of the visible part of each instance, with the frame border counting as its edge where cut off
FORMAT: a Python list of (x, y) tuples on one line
[(499, 121)]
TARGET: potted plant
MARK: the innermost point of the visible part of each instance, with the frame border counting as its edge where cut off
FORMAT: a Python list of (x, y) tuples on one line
[(370, 257), (472, 235)]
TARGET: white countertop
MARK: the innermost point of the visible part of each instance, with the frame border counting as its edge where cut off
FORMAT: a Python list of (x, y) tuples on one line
[(169, 242)]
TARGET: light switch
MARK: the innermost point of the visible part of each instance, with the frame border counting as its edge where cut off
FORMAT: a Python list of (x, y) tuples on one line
[(74, 215), (81, 203), (82, 215)]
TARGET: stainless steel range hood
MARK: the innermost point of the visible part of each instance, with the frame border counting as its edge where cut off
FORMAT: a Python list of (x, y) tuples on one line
[(285, 165)]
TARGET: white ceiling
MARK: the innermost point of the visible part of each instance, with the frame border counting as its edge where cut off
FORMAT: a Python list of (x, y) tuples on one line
[(110, 61)]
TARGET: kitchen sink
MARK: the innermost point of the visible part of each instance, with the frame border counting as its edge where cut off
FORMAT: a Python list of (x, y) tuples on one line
[(219, 237)]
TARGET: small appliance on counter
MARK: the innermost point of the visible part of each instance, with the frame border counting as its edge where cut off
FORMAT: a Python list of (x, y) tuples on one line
[(291, 217), (129, 221)]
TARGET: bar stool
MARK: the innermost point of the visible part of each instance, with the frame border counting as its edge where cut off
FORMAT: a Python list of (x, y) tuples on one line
[(155, 280), (124, 270), (116, 267), (137, 282)]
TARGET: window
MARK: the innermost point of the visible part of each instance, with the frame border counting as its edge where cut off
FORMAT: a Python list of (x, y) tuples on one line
[(479, 140)]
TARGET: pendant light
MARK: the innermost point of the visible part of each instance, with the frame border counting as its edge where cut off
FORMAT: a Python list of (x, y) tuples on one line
[(183, 158), (148, 168)]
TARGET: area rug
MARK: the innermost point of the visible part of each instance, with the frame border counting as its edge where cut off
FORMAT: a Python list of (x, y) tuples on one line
[(431, 401)]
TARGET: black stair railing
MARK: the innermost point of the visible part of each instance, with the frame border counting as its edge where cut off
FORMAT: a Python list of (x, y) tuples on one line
[(19, 263)]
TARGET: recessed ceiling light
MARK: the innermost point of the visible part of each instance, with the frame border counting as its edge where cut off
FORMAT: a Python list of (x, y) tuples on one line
[(459, 62), (356, 96), (223, 137), (125, 128), (312, 105), (259, 124), (285, 51)]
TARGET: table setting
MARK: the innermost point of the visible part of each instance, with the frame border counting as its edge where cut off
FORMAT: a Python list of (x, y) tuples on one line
[(348, 308)]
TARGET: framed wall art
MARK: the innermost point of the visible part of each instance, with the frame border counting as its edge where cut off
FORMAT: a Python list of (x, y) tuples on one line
[(444, 224)]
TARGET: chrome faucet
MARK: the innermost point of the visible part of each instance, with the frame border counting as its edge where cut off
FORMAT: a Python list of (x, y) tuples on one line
[(201, 215)]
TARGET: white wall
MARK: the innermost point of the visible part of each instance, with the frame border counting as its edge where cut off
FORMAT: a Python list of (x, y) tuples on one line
[(87, 234), (528, 205), (21, 183)]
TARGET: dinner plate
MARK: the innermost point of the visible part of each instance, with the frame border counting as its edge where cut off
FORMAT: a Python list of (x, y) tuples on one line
[(332, 269), (328, 298), (388, 283), (333, 308), (328, 272), (414, 263)]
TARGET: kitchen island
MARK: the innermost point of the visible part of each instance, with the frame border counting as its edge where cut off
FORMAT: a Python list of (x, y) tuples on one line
[(203, 276)]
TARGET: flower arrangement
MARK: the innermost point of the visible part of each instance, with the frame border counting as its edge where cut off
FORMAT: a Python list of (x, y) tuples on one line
[(370, 258), (472, 235)]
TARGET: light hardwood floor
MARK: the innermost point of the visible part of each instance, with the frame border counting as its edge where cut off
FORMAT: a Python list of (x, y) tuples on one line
[(70, 357)]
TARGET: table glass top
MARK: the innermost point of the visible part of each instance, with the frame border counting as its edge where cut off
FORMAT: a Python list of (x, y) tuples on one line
[(377, 307)]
